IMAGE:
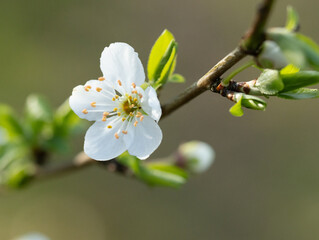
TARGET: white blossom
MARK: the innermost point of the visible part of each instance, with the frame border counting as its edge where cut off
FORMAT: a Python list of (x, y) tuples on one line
[(125, 115)]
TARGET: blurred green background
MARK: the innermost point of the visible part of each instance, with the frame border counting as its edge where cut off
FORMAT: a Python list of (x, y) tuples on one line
[(264, 183)]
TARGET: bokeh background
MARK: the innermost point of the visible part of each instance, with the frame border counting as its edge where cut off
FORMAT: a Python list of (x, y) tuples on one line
[(264, 183)]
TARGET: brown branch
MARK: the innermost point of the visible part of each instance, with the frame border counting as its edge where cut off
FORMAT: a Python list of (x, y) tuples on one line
[(80, 161), (248, 46)]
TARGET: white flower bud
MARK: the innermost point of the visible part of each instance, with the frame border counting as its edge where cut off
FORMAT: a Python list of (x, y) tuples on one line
[(271, 56), (198, 156)]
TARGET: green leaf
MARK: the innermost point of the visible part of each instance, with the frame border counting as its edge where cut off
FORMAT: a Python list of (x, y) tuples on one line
[(269, 82), (168, 69), (176, 78), (253, 102), (162, 57), (289, 69), (298, 80), (301, 93), (292, 23), (153, 177), (300, 50), (167, 167), (10, 122), (236, 110)]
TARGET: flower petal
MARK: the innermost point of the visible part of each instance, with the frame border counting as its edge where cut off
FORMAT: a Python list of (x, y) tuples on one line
[(119, 61), (151, 104), (147, 137), (100, 141), (83, 99)]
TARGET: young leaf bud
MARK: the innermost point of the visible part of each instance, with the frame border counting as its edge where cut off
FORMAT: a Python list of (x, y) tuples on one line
[(271, 56)]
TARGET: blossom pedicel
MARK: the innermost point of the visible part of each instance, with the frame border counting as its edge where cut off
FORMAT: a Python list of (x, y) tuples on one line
[(126, 115)]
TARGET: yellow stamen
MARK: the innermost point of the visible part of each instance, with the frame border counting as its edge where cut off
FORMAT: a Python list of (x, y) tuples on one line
[(104, 118), (130, 97), (134, 91), (85, 111), (140, 95), (119, 82), (136, 122), (101, 78), (87, 88), (116, 96), (133, 85), (135, 99), (141, 118), (132, 106), (131, 114), (113, 99), (105, 114), (118, 114), (123, 119), (115, 109), (116, 136), (93, 104), (98, 89), (124, 132), (109, 126)]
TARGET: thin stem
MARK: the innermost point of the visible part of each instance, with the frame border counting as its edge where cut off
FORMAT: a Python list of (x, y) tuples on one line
[(226, 80)]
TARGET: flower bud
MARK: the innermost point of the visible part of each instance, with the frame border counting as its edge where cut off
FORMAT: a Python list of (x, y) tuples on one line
[(195, 156), (271, 56)]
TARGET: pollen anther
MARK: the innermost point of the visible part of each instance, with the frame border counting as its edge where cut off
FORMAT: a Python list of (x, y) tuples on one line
[(105, 114), (116, 136), (115, 109), (141, 118), (124, 132), (104, 118), (118, 114), (93, 104), (136, 122), (101, 78), (119, 82), (87, 88), (109, 126), (85, 111), (123, 119), (133, 85), (98, 89)]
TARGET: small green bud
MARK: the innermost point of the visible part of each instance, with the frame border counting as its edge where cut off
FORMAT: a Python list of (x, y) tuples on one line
[(271, 56), (195, 156), (250, 101)]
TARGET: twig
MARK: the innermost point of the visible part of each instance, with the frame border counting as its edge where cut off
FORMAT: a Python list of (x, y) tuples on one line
[(80, 161), (248, 46)]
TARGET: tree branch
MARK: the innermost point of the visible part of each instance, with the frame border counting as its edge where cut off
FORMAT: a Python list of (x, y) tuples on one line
[(248, 46)]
